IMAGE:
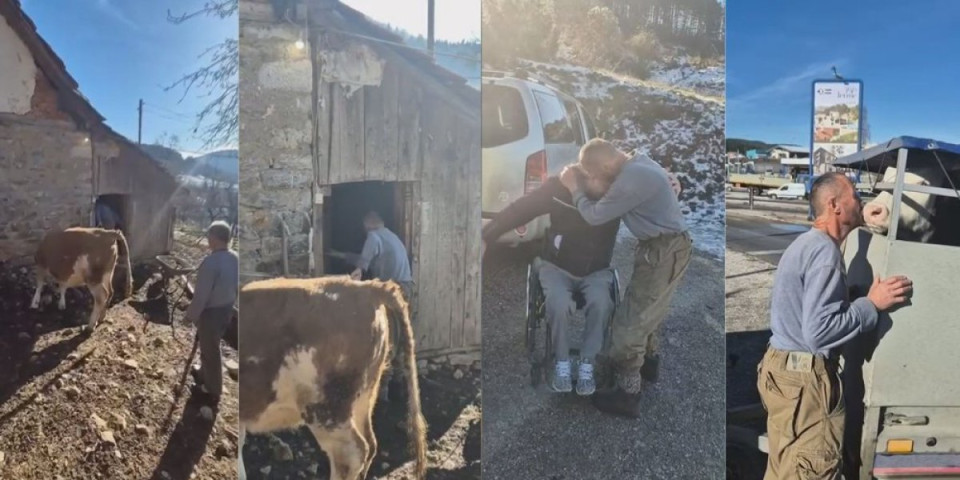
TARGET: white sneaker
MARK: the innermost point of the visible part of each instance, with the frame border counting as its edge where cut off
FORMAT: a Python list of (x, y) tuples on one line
[(562, 383), (586, 385)]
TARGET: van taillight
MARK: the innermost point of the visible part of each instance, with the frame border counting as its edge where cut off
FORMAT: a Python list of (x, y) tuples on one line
[(536, 171)]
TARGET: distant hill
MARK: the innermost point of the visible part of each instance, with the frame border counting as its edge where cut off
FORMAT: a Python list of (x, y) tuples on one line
[(222, 165), (226, 162), (169, 158), (742, 145), (466, 63)]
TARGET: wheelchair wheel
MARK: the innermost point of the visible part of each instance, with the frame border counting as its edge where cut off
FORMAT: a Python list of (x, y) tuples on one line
[(532, 357)]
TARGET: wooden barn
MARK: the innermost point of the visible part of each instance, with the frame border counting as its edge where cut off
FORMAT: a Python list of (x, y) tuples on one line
[(338, 119), (58, 157)]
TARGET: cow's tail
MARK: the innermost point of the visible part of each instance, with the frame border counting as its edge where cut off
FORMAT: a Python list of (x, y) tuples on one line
[(125, 253), (416, 424)]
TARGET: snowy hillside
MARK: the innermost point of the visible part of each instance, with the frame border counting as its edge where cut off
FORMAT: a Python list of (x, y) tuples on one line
[(679, 128), (680, 73), (222, 165), (225, 162)]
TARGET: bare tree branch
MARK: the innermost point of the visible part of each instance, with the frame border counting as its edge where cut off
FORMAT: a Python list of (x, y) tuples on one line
[(219, 8), (218, 121)]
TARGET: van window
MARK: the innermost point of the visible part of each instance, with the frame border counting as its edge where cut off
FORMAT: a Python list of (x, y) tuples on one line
[(574, 114), (557, 127), (504, 116)]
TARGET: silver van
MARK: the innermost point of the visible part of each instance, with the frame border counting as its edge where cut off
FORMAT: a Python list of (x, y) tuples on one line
[(530, 131)]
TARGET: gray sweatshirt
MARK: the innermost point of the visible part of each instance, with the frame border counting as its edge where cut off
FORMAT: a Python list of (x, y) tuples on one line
[(643, 198), (810, 310), (217, 283), (385, 256)]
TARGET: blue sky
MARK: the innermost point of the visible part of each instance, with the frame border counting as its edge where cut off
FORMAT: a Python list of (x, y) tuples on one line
[(905, 55), (120, 51), (454, 20)]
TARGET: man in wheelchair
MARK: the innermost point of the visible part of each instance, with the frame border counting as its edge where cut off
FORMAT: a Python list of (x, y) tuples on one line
[(576, 261), (640, 193)]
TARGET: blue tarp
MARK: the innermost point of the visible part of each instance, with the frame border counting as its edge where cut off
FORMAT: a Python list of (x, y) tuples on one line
[(879, 156)]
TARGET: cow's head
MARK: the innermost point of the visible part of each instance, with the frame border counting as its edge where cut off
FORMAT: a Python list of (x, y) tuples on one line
[(916, 209)]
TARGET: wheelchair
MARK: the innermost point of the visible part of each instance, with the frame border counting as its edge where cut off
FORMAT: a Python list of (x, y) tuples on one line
[(541, 362)]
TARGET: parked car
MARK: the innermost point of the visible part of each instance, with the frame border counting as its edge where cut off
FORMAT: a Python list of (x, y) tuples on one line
[(790, 191), (530, 131)]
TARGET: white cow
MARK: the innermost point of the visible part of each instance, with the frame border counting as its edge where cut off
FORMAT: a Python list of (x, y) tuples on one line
[(916, 209)]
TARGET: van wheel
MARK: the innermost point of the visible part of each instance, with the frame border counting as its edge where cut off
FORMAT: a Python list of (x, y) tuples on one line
[(774, 196)]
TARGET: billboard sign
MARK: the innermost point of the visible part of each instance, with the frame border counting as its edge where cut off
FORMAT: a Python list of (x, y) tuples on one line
[(836, 124)]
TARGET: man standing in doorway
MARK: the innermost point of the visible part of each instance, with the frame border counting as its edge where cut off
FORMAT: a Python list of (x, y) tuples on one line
[(642, 195), (105, 216), (212, 307), (385, 257), (811, 318)]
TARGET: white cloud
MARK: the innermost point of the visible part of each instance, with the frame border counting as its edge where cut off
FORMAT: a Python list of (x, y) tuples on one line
[(791, 85), (114, 12)]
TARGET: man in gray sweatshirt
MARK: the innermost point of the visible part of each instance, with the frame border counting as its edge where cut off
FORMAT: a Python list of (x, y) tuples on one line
[(212, 306), (385, 257), (811, 317), (642, 195)]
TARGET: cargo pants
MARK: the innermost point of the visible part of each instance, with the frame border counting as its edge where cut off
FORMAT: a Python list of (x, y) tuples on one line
[(658, 267), (803, 398)]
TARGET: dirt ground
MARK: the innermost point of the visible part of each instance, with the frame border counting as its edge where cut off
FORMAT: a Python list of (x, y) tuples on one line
[(451, 406), (114, 404)]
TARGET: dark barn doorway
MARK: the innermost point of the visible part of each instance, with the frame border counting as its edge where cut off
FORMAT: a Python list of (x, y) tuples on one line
[(120, 204), (343, 216)]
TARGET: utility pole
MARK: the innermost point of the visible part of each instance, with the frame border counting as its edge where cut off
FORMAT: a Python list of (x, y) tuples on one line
[(140, 122), (430, 5)]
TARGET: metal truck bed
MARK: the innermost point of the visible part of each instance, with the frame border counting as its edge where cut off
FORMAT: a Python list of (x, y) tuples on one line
[(906, 371)]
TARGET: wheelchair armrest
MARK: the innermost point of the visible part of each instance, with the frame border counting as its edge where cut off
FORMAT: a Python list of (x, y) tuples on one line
[(535, 264), (615, 287)]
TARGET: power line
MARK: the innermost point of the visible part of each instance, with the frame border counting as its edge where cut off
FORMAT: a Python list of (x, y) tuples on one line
[(167, 110)]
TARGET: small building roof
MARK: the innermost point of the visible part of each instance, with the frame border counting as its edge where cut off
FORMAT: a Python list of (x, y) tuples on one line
[(356, 22), (68, 90), (792, 148), (73, 102)]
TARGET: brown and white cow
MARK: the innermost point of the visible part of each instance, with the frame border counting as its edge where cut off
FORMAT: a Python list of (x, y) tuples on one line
[(313, 352), (918, 211), (82, 256)]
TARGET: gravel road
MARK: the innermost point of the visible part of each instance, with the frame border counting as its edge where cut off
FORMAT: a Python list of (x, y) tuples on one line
[(531, 433)]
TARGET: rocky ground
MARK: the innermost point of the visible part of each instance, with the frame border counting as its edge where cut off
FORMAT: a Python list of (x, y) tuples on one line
[(114, 404), (451, 405)]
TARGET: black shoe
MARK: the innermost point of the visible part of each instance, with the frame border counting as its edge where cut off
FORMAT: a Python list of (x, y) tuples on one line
[(650, 371), (618, 402), (196, 373), (200, 393)]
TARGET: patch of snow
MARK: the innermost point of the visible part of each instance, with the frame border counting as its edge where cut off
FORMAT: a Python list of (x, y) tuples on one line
[(199, 181), (708, 81)]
